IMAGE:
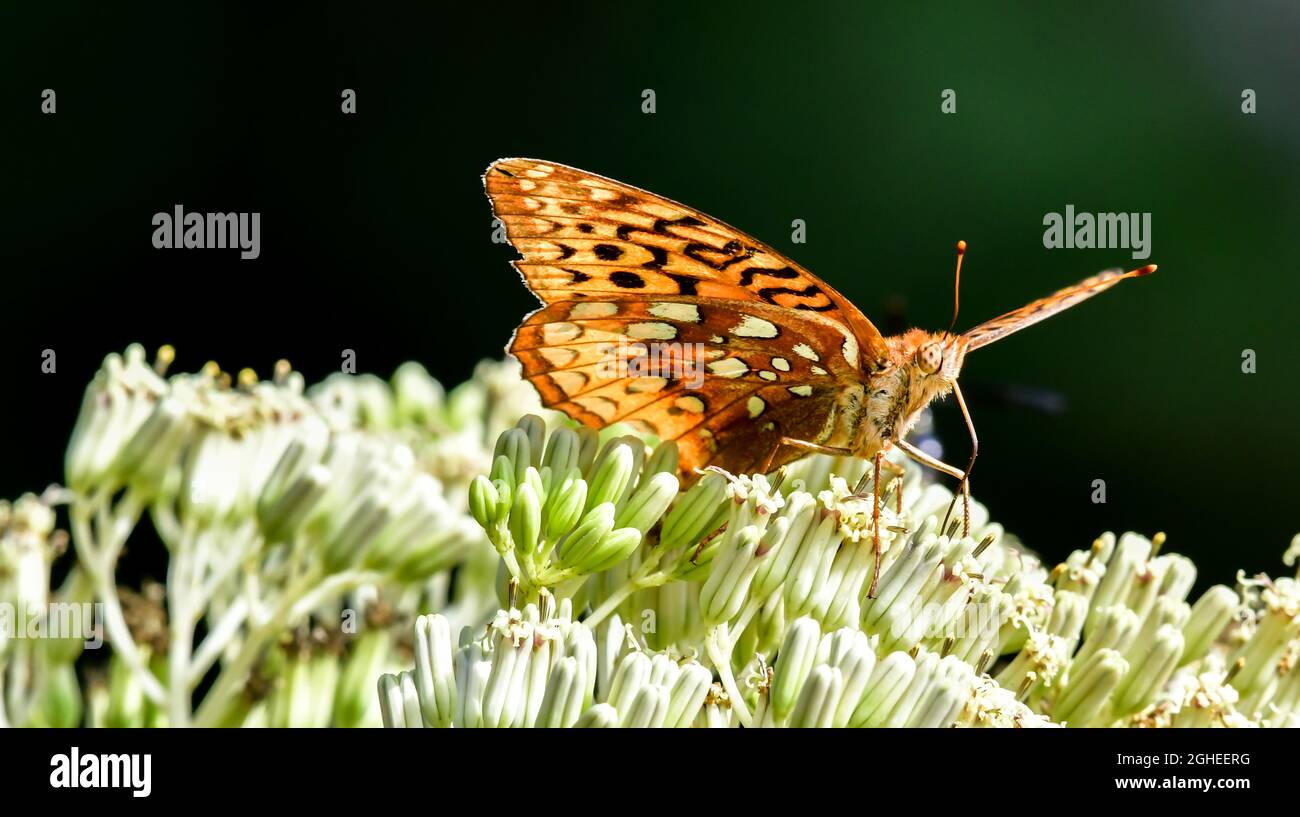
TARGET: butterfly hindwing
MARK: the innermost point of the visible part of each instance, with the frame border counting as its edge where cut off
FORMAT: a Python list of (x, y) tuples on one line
[(725, 380)]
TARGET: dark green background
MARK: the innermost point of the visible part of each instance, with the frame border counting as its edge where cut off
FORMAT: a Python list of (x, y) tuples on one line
[(376, 235)]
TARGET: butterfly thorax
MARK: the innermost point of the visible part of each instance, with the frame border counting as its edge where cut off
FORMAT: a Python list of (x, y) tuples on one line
[(923, 367)]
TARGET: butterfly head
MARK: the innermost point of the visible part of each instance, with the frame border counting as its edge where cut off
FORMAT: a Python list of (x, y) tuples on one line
[(937, 355)]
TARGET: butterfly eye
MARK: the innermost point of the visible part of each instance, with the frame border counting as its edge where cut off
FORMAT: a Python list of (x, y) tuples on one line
[(930, 358)]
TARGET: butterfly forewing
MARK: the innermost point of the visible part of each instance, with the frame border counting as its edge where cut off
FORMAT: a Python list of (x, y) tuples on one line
[(585, 236)]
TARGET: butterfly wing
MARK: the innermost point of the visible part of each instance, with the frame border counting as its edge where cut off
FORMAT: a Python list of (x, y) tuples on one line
[(725, 379), (1043, 308), (585, 236)]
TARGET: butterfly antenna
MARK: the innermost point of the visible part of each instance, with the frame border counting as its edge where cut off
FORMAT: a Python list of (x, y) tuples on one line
[(956, 286)]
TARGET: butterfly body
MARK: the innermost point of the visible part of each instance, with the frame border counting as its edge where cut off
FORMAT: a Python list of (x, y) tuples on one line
[(659, 316)]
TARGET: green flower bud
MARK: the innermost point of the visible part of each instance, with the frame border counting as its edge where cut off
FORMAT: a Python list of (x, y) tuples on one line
[(563, 451), (535, 428), (794, 662), (514, 446), (578, 547), (699, 512), (648, 503), (564, 506), (483, 501), (611, 475), (612, 549), (505, 500), (526, 520), (664, 460), (60, 698)]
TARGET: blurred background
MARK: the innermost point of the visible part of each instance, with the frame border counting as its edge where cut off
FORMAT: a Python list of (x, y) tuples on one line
[(376, 235)]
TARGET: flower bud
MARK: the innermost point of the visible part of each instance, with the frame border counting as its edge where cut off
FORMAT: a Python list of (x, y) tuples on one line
[(563, 451), (727, 587), (1210, 615), (564, 506), (818, 700), (435, 671), (526, 520), (648, 709), (600, 716), (687, 694), (889, 681), (648, 503), (794, 662), (1089, 688), (698, 512), (611, 476), (576, 550)]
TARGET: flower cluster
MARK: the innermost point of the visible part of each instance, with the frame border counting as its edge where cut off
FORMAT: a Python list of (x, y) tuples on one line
[(304, 529), (807, 602)]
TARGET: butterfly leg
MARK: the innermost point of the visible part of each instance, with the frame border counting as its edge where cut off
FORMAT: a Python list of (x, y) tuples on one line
[(942, 467), (974, 452), (875, 523), (807, 446)]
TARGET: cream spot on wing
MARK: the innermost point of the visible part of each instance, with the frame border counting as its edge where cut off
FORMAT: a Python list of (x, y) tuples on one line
[(593, 309), (603, 194), (602, 407), (560, 332), (805, 351), (558, 356), (766, 375), (639, 385), (539, 172), (780, 364), (531, 203), (801, 391), (851, 350), (682, 313), (527, 184), (717, 339), (818, 370), (690, 403), (571, 382), (652, 330), (755, 405), (728, 367), (752, 327)]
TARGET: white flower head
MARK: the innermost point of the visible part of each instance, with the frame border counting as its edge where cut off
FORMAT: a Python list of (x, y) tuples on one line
[(856, 512)]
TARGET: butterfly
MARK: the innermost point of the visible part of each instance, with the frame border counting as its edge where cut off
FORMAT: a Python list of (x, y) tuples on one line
[(657, 315)]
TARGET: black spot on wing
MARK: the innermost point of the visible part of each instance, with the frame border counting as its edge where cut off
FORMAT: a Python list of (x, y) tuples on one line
[(627, 280)]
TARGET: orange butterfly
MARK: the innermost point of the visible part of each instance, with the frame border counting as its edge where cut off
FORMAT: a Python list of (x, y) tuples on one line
[(788, 365)]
